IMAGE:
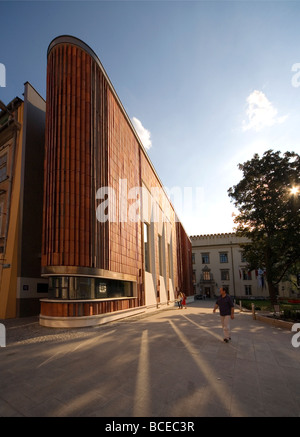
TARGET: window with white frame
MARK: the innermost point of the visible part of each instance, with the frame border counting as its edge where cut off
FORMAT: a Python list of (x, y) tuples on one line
[(248, 290)]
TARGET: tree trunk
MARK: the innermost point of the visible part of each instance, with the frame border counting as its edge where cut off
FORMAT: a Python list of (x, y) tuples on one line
[(269, 277), (272, 292)]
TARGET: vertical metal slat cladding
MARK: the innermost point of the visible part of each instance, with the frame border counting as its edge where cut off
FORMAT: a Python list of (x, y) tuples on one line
[(68, 189)]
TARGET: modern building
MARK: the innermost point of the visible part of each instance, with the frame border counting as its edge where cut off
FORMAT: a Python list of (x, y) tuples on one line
[(22, 129), (218, 261), (112, 243)]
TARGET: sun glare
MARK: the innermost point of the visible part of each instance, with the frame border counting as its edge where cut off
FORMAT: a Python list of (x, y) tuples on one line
[(294, 190)]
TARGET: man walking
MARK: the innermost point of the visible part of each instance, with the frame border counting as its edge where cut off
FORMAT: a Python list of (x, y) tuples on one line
[(225, 304)]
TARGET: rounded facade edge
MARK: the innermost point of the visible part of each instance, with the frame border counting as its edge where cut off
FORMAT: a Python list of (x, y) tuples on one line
[(91, 272), (69, 39)]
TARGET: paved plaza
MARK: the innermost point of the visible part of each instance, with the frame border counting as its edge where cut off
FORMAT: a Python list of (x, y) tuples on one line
[(168, 363)]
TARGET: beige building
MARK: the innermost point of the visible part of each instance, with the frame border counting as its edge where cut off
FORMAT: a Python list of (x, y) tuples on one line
[(218, 261)]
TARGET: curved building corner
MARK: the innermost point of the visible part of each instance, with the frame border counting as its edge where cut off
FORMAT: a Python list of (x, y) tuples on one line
[(100, 263)]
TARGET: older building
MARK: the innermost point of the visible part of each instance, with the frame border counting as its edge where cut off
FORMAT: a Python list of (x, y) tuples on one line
[(112, 244), (218, 261), (22, 128)]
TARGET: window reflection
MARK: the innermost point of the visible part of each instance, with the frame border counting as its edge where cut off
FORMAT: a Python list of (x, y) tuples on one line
[(66, 287)]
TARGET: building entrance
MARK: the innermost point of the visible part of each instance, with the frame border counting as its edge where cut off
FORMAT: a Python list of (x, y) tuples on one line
[(207, 292)]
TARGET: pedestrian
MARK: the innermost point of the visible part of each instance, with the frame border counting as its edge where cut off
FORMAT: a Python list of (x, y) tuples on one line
[(183, 302), (226, 307), (179, 300)]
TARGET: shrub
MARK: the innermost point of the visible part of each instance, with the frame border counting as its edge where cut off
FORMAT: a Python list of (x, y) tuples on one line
[(293, 315)]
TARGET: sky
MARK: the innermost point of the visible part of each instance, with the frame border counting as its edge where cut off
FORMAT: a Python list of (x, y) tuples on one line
[(207, 84)]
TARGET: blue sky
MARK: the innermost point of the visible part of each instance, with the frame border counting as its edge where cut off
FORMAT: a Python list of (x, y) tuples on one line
[(210, 82)]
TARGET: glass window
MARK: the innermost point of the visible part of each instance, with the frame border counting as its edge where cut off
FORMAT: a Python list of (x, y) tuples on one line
[(109, 288), (73, 287), (170, 261), (205, 258), (64, 287), (223, 257), (224, 275), (248, 290), (206, 276), (85, 288), (88, 288), (147, 246), (160, 255), (247, 275), (55, 288), (3, 167), (101, 290)]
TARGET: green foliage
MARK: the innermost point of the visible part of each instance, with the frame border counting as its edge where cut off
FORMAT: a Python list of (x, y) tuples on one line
[(269, 214), (293, 315), (259, 305)]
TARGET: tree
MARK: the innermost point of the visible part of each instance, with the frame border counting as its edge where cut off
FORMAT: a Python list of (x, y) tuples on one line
[(268, 201)]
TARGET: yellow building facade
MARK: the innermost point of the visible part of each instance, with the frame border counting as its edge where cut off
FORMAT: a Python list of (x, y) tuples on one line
[(22, 125)]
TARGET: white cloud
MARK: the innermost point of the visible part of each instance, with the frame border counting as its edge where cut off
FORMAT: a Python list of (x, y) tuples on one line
[(143, 133), (261, 113)]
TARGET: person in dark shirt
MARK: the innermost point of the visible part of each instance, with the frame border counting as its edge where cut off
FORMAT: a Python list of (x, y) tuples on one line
[(226, 307)]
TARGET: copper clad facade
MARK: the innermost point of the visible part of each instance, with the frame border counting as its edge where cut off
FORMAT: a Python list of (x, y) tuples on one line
[(68, 163), (90, 143)]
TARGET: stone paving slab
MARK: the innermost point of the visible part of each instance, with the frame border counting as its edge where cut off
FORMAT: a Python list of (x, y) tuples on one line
[(168, 363)]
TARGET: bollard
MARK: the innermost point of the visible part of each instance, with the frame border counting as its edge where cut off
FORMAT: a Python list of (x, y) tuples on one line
[(253, 311)]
